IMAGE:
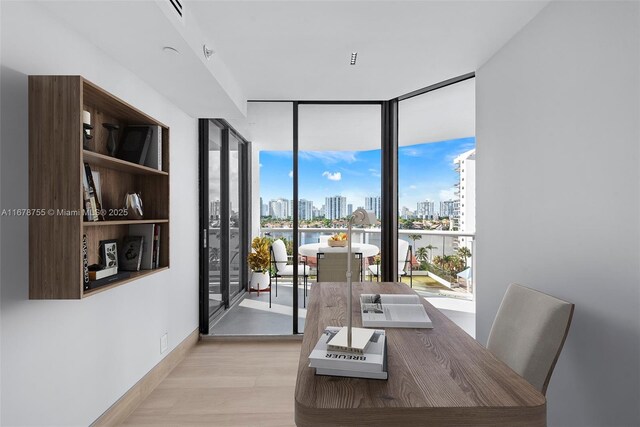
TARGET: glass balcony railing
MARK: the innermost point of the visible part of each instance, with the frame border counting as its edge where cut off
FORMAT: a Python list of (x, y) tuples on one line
[(440, 261)]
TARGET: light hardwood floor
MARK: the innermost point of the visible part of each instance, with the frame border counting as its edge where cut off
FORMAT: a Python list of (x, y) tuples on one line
[(230, 383)]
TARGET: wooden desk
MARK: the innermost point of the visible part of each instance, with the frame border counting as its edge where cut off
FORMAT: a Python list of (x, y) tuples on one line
[(437, 377)]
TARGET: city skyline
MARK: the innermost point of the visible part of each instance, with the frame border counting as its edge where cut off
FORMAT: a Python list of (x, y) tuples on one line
[(426, 172)]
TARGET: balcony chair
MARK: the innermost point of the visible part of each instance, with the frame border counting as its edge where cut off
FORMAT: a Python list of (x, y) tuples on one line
[(405, 256), (528, 333), (280, 267)]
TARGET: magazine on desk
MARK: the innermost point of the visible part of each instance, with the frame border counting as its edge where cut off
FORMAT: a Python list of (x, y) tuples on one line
[(393, 311), (370, 364)]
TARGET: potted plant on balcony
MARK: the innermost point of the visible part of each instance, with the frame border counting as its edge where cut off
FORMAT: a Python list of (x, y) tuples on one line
[(259, 260)]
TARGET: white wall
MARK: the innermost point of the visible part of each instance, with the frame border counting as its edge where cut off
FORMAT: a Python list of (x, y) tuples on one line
[(558, 182), (66, 362)]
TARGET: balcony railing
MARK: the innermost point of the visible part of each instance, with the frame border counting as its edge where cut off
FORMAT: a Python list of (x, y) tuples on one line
[(437, 254)]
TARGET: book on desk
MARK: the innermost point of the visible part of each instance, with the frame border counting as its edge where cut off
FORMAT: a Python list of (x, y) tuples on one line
[(393, 311), (371, 363)]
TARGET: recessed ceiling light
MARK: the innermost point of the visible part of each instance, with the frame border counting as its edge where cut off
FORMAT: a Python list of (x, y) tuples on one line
[(354, 57), (172, 50)]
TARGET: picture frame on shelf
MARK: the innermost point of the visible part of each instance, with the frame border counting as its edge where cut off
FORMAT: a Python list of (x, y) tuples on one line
[(108, 253)]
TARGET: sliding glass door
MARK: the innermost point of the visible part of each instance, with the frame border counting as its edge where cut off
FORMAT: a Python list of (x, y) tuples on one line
[(224, 208)]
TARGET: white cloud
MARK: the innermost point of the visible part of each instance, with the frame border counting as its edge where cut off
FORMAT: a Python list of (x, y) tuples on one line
[(329, 157), (413, 187), (375, 172), (290, 174), (336, 176), (411, 152)]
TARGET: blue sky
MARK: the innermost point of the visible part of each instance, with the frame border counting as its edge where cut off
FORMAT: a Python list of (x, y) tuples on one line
[(425, 172)]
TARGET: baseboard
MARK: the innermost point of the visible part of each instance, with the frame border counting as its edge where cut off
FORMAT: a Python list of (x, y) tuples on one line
[(249, 338), (119, 411)]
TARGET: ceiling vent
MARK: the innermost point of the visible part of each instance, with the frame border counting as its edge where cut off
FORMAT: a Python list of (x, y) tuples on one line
[(177, 7)]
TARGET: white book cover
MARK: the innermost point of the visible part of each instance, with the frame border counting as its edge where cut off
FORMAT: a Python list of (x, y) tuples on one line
[(372, 360), (359, 340), (154, 153), (393, 311), (352, 374), (146, 231)]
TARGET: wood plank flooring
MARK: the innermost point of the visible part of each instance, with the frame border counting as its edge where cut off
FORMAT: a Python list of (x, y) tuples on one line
[(230, 383)]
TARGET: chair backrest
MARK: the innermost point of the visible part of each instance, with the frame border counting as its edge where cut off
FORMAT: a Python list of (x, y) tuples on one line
[(279, 253), (332, 267), (403, 255), (528, 333), (323, 239)]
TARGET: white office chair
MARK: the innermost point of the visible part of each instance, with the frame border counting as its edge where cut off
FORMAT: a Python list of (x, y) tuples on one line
[(528, 333), (405, 256)]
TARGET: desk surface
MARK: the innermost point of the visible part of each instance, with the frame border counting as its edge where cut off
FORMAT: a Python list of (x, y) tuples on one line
[(312, 249), (437, 377)]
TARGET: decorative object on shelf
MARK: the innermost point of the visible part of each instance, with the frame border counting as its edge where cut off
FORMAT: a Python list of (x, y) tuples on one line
[(150, 249), (108, 252), (135, 143), (131, 254), (97, 272), (259, 261), (86, 130), (94, 284), (338, 240), (133, 205), (112, 145)]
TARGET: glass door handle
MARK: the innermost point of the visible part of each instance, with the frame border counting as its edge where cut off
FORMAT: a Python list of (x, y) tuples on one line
[(204, 238)]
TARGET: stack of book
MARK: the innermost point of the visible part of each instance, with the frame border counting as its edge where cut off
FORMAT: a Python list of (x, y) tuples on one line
[(371, 362), (393, 311)]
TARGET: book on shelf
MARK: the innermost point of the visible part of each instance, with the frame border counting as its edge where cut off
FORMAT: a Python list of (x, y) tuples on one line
[(154, 153), (130, 256), (156, 246), (94, 207), (393, 311), (96, 272), (94, 284), (85, 260), (372, 363)]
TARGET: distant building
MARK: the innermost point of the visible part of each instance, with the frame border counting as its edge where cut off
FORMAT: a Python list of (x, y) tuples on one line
[(305, 210), (425, 210), (464, 217), (279, 209), (373, 204), (405, 213), (214, 209), (349, 209), (447, 208), (335, 207)]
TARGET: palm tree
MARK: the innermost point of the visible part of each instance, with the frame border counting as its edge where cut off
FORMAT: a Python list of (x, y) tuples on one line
[(430, 247), (464, 253), (422, 255), (415, 237)]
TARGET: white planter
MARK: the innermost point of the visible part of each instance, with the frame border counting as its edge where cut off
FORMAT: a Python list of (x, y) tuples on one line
[(259, 280)]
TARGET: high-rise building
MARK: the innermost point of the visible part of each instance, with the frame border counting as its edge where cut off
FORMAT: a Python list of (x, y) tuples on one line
[(464, 216), (335, 207), (425, 210), (373, 203), (214, 209), (279, 208), (447, 208), (349, 209), (305, 210), (405, 213)]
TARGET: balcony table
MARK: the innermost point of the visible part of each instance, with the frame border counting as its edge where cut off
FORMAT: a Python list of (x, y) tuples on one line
[(312, 249), (437, 377)]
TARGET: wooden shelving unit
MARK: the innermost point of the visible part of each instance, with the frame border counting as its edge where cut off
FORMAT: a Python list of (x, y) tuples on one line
[(56, 167)]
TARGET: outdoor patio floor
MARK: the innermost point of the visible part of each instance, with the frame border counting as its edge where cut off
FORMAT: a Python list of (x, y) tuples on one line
[(252, 316)]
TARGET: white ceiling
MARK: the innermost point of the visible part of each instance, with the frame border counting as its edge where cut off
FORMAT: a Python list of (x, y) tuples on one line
[(294, 49), (301, 49)]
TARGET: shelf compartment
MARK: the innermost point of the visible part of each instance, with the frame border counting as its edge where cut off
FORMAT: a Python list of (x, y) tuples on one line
[(124, 222), (135, 275), (121, 165)]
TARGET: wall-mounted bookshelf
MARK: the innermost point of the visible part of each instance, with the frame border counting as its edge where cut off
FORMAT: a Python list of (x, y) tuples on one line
[(56, 168)]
